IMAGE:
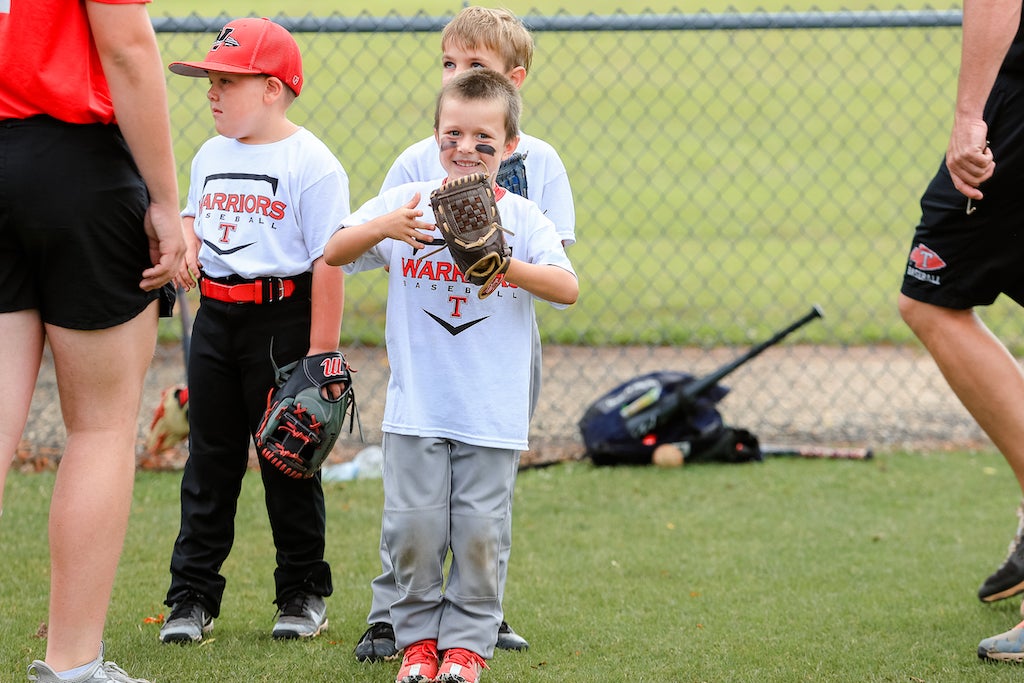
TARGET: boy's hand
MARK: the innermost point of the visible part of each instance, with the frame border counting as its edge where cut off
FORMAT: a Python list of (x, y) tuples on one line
[(402, 224), (188, 274), (349, 243)]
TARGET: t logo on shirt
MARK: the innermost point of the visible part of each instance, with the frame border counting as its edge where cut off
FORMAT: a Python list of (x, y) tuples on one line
[(5, 6)]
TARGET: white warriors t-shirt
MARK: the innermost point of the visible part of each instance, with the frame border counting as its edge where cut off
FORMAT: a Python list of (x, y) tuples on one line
[(460, 365), (265, 210)]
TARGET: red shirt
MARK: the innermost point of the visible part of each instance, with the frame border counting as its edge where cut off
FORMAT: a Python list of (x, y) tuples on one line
[(49, 62)]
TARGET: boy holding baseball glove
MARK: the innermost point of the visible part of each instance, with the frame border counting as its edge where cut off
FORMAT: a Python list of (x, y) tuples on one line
[(265, 195), (458, 401), (495, 39)]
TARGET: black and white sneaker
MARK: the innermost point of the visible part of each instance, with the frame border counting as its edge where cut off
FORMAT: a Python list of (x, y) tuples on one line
[(1008, 580), (377, 644), (301, 616), (509, 639), (188, 623)]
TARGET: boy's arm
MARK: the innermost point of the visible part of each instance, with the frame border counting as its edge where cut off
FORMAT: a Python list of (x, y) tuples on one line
[(349, 243), (549, 185), (133, 68), (328, 302), (557, 203), (544, 281)]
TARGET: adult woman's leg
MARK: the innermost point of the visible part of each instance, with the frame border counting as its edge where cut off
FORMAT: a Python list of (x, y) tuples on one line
[(100, 377)]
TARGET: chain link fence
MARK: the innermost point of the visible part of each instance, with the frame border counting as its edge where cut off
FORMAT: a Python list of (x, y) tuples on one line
[(729, 171)]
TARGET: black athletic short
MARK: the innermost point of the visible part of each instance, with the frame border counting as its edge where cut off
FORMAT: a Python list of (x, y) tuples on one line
[(72, 205), (959, 260)]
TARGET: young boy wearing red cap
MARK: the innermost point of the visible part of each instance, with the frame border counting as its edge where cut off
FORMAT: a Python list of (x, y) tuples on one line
[(264, 196)]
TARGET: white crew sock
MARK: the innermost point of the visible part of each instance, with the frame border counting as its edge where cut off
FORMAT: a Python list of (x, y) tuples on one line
[(79, 670)]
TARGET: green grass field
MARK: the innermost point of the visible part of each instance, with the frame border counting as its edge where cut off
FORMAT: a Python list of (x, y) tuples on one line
[(788, 570)]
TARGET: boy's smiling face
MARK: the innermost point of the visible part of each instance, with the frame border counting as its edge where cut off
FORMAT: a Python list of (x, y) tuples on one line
[(471, 136)]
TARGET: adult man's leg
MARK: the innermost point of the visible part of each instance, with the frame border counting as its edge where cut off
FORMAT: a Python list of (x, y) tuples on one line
[(989, 382)]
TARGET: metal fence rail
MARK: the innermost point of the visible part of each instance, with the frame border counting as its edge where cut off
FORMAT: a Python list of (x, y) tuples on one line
[(744, 165), (703, 21)]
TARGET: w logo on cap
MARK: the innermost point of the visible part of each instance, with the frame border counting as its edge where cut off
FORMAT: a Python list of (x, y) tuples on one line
[(224, 38)]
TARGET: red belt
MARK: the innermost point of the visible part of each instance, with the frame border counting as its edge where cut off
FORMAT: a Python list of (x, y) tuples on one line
[(260, 291)]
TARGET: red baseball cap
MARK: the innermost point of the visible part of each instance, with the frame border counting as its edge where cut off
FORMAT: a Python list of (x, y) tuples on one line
[(250, 46)]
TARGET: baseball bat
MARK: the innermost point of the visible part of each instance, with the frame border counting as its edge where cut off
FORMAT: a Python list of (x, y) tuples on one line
[(686, 396), (824, 452), (694, 389)]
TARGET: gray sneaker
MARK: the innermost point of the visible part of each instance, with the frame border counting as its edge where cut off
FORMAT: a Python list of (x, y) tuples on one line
[(100, 672), (301, 616), (187, 623)]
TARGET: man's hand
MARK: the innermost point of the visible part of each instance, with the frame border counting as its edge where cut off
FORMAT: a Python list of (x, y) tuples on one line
[(968, 157)]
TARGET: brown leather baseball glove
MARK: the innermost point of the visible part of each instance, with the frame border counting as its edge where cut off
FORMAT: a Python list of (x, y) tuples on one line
[(467, 215)]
